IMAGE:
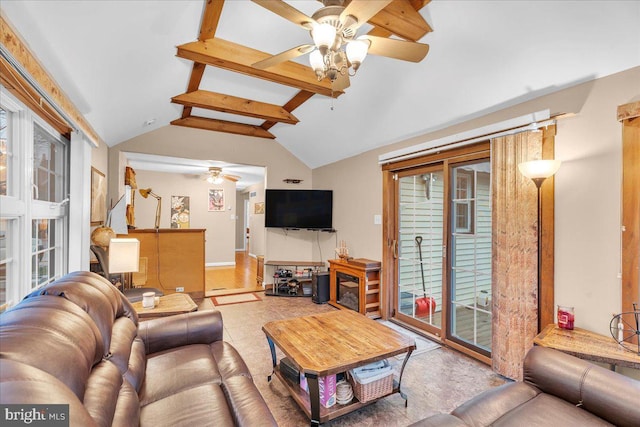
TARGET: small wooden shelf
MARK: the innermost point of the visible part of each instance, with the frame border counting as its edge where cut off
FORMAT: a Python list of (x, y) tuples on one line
[(304, 288), (326, 414)]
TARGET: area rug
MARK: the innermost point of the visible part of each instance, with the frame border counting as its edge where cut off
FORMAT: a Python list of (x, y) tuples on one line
[(422, 344), (235, 299)]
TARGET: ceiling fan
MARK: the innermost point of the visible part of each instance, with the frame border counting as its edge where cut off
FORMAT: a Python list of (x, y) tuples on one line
[(336, 46), (216, 176)]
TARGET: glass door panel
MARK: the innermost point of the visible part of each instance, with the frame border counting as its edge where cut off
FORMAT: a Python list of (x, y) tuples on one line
[(420, 247), (470, 254)]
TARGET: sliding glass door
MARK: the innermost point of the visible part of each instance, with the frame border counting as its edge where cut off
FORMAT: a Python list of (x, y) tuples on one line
[(442, 250), (420, 247), (470, 256)]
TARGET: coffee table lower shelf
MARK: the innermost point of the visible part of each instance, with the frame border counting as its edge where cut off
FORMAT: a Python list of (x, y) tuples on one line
[(326, 414)]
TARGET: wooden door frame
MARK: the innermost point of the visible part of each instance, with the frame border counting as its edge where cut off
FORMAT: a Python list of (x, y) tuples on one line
[(629, 116)]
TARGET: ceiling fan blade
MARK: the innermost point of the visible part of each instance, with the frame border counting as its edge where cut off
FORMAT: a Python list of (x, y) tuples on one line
[(290, 13), (397, 49), (232, 178), (283, 56), (341, 83), (363, 10)]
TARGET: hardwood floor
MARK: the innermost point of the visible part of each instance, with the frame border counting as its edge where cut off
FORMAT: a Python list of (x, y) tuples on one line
[(234, 279)]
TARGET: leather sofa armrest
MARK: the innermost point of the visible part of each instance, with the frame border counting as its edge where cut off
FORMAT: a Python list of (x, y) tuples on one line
[(200, 327)]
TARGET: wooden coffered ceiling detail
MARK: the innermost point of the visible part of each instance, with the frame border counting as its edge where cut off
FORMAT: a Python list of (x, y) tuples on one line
[(400, 18)]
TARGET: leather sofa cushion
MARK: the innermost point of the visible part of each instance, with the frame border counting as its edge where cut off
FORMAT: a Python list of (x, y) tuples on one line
[(242, 396), (201, 406), (172, 371)]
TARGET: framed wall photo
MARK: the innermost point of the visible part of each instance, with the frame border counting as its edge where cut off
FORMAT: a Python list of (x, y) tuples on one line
[(98, 197), (180, 213), (259, 208), (216, 200)]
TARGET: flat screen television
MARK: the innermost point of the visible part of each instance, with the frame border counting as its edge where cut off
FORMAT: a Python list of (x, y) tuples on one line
[(307, 209)]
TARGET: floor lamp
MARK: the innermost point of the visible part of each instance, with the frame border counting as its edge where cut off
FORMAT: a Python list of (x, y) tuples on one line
[(538, 171), (146, 192)]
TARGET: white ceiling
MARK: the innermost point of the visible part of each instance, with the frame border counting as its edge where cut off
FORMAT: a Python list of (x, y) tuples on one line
[(116, 61)]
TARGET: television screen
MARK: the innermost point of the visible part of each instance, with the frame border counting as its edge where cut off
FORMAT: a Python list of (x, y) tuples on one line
[(310, 209)]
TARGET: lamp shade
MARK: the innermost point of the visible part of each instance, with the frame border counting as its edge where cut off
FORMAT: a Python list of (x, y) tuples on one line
[(316, 61), (537, 169), (124, 255), (357, 51), (323, 35)]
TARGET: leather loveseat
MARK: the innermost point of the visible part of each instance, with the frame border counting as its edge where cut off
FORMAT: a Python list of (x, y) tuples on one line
[(558, 390), (77, 341)]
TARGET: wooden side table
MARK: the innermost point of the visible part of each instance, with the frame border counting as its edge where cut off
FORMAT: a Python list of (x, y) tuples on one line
[(168, 306), (587, 345)]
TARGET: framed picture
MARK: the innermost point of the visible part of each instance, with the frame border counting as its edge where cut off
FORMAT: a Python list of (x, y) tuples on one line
[(216, 200), (180, 213), (98, 197), (259, 208)]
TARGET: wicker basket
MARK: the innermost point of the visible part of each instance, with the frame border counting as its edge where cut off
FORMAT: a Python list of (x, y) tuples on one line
[(372, 390)]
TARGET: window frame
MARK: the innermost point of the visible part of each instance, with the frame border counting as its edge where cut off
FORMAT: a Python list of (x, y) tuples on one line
[(20, 208)]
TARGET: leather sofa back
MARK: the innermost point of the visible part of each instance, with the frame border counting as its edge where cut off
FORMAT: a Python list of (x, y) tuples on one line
[(610, 396), (83, 333)]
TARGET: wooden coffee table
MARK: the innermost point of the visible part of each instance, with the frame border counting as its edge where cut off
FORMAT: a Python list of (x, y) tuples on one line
[(169, 305), (331, 343)]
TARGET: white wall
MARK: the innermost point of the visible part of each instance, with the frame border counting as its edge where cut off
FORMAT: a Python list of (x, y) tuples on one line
[(177, 141), (220, 226)]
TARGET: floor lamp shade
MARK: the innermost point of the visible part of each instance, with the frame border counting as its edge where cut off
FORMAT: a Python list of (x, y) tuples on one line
[(124, 255), (536, 169)]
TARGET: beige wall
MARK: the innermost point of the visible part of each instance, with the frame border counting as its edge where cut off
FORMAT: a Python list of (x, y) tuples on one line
[(241, 197), (220, 226), (588, 200), (190, 143)]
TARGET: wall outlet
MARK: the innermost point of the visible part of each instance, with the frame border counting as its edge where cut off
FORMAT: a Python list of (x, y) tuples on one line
[(180, 289)]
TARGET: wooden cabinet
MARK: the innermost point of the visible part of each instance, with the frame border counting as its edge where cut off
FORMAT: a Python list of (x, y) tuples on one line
[(367, 275), (260, 270), (171, 259)]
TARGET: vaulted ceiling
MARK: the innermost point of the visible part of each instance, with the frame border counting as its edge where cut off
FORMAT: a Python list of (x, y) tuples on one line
[(123, 63)]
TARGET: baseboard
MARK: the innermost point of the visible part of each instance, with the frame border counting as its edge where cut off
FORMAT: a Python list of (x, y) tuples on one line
[(220, 264)]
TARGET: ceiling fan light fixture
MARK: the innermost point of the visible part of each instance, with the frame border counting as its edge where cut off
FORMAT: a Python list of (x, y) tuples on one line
[(317, 63), (324, 36), (215, 176), (356, 52)]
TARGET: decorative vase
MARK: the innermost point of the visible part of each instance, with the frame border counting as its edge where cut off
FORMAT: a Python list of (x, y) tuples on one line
[(102, 235)]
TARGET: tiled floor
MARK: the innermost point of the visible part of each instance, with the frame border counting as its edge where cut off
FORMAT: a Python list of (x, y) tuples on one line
[(435, 381)]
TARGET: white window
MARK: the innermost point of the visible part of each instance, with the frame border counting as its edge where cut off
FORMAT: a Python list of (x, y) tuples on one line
[(34, 170), (464, 202)]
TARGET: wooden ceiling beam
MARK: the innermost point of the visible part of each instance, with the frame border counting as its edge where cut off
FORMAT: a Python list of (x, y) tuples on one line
[(299, 99), (223, 126), (401, 17), (208, 26), (235, 105), (235, 57), (210, 19)]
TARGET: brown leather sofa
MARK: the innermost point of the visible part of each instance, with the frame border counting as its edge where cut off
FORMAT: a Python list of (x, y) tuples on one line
[(77, 341), (558, 390)]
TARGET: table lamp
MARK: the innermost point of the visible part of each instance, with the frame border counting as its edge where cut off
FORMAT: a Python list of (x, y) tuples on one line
[(124, 257)]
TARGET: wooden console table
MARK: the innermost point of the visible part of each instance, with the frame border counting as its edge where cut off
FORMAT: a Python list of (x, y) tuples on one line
[(174, 258), (587, 345), (368, 274)]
